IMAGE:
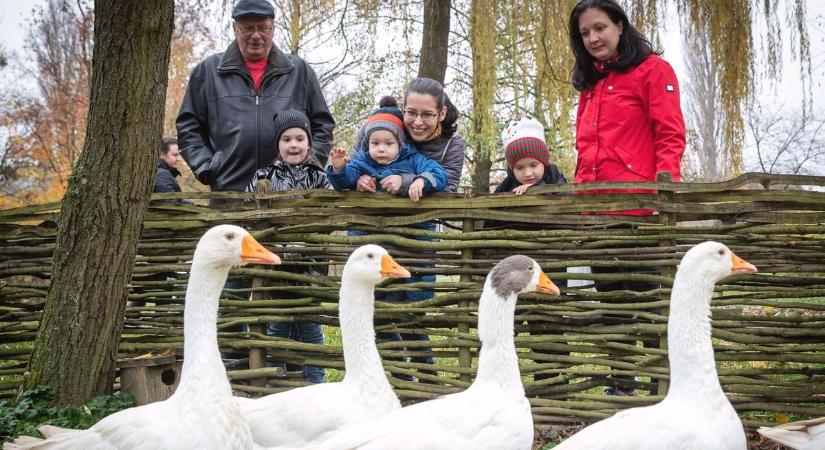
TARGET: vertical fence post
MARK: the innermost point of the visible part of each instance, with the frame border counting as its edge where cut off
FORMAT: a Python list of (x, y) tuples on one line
[(257, 355), (665, 219), (465, 357)]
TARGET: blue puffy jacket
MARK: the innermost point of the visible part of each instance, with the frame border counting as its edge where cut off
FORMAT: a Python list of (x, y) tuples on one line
[(409, 161)]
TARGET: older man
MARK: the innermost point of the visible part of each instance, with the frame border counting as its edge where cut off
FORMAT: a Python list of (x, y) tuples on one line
[(225, 123)]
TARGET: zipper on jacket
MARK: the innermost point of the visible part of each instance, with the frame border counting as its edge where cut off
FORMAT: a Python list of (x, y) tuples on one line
[(258, 129)]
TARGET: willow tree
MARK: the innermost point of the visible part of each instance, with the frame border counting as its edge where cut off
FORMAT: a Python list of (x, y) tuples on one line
[(102, 211), (483, 133), (731, 44)]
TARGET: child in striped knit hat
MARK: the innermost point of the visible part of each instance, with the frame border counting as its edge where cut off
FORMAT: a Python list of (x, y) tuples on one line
[(385, 155), (528, 160)]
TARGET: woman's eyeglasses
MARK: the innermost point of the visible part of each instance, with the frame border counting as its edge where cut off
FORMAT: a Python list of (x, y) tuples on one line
[(425, 115)]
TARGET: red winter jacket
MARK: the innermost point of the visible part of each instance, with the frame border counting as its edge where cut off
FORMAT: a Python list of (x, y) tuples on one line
[(629, 126)]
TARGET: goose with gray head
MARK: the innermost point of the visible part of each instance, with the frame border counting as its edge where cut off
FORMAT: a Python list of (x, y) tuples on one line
[(299, 416), (493, 412), (695, 413), (201, 413)]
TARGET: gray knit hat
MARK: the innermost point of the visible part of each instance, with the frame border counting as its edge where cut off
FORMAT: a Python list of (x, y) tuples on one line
[(291, 118)]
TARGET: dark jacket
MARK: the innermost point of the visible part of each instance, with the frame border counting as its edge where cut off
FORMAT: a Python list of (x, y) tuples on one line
[(307, 175), (552, 175), (408, 163), (165, 178), (225, 127), (449, 152)]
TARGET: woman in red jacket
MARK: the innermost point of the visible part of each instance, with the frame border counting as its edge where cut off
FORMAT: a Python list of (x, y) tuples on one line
[(629, 123)]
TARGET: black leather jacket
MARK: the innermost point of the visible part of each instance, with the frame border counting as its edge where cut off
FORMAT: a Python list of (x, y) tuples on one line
[(225, 128)]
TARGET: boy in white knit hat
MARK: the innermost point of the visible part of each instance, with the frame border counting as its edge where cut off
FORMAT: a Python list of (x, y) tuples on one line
[(527, 156)]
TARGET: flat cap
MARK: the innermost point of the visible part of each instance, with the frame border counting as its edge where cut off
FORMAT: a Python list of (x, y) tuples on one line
[(260, 8)]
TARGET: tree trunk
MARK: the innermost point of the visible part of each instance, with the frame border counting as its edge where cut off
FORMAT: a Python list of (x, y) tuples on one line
[(103, 208), (483, 136), (435, 40)]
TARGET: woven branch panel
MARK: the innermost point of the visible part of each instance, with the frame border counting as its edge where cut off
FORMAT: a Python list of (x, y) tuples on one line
[(768, 329)]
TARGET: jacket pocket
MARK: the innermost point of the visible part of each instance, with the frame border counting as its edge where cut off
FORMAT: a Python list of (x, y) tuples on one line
[(620, 165)]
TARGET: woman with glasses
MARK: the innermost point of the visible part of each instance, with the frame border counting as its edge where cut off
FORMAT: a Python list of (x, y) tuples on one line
[(430, 124)]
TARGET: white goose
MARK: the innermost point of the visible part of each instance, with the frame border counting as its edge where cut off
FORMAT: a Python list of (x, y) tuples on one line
[(201, 413), (695, 413), (493, 412), (296, 417), (801, 435)]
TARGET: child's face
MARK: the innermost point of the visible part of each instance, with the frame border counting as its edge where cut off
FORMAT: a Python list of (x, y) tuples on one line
[(293, 146), (528, 170), (383, 146)]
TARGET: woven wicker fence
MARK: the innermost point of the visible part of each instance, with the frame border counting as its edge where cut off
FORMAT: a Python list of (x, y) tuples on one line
[(768, 329)]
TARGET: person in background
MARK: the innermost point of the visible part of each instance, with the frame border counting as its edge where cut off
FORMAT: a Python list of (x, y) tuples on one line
[(294, 168), (167, 171), (629, 123), (224, 122)]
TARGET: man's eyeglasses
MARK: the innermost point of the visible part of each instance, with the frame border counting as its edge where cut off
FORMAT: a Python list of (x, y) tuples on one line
[(249, 30), (425, 115)]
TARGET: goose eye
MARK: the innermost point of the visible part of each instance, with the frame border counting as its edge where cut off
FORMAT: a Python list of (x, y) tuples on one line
[(230, 236), (721, 252), (369, 255)]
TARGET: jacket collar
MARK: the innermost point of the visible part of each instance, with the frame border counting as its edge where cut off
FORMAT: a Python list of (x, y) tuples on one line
[(162, 165), (232, 60), (605, 66)]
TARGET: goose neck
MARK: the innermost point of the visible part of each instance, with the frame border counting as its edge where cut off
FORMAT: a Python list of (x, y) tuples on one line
[(498, 361), (356, 310), (202, 365), (690, 349)]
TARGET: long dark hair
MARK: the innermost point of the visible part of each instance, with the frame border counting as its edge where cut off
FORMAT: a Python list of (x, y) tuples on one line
[(432, 87), (633, 48)]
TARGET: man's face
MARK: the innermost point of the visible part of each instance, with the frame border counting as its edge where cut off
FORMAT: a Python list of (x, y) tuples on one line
[(254, 35), (172, 157)]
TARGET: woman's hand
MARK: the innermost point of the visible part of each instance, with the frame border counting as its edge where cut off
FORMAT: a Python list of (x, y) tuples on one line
[(416, 190), (391, 184), (338, 158), (365, 183)]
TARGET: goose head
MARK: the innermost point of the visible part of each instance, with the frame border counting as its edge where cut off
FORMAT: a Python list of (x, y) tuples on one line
[(518, 274), (371, 263), (226, 246), (714, 261)]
